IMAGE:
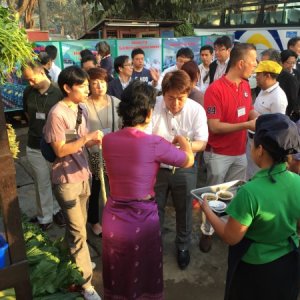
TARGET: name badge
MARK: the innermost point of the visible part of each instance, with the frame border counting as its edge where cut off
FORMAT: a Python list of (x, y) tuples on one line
[(106, 131), (40, 116), (241, 111)]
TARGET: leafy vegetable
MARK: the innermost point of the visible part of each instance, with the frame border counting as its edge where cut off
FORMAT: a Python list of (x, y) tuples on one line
[(51, 268), (15, 49)]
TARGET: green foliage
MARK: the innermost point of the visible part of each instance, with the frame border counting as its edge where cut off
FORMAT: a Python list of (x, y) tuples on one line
[(153, 10), (185, 29), (15, 49), (51, 269)]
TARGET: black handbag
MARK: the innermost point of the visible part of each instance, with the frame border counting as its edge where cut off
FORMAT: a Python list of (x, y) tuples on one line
[(46, 148)]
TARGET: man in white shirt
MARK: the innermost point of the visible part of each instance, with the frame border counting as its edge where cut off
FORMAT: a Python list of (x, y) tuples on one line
[(183, 55), (176, 114), (271, 99), (206, 54), (54, 70), (222, 48)]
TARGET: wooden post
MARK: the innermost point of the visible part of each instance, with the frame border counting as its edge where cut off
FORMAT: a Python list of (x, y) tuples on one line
[(15, 275)]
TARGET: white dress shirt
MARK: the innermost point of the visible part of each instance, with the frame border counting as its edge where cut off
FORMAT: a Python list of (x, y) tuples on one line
[(271, 100), (162, 75), (221, 69), (203, 73), (190, 122), (54, 72)]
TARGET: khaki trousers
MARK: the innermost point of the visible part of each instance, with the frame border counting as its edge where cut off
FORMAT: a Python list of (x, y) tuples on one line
[(73, 200)]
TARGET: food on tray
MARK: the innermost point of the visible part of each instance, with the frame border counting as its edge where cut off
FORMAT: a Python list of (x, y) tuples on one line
[(224, 195), (209, 196)]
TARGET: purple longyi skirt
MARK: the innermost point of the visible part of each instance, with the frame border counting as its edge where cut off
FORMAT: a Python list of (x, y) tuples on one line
[(132, 251)]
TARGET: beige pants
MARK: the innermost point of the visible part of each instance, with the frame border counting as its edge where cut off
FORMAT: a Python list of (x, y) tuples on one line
[(220, 169), (73, 198), (46, 203)]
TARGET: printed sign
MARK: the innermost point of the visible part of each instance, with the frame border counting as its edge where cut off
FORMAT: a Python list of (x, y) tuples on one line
[(151, 47), (171, 46)]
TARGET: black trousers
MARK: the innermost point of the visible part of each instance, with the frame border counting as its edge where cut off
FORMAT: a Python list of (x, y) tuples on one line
[(96, 203), (272, 281), (179, 185)]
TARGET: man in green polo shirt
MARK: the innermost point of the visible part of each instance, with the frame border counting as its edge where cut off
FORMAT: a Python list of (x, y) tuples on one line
[(38, 99)]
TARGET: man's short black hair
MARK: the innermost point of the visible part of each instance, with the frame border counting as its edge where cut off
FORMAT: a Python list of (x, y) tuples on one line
[(239, 52), (119, 62), (52, 51), (286, 54), (293, 41), (88, 58), (224, 41), (137, 51), (137, 100), (185, 52), (86, 52), (44, 58), (207, 47), (35, 64), (71, 76)]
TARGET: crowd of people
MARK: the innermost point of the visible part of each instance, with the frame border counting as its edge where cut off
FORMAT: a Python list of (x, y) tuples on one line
[(148, 132)]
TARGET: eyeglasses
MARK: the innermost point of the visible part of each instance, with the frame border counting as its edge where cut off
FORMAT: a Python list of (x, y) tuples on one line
[(128, 65), (220, 49), (290, 63)]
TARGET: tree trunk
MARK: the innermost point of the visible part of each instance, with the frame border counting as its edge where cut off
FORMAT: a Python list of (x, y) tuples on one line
[(84, 13), (28, 14), (43, 15)]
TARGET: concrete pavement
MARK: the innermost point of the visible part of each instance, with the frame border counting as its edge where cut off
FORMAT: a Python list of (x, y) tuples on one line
[(203, 279)]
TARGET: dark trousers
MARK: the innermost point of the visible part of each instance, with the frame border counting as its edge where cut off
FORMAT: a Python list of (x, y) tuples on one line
[(272, 281), (179, 185), (96, 203)]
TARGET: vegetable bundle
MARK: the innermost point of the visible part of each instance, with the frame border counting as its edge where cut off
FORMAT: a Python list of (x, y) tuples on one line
[(51, 270), (15, 49)]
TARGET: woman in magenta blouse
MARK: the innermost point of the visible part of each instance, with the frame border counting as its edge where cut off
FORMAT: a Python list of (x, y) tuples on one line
[(132, 249)]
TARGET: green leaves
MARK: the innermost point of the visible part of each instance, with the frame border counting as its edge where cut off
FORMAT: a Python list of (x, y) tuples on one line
[(51, 268), (14, 45)]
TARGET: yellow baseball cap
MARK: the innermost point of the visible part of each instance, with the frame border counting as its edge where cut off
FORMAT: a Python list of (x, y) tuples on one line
[(268, 66)]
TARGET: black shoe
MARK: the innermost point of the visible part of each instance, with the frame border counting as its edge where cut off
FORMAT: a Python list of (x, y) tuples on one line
[(183, 258), (45, 227), (34, 220), (59, 219)]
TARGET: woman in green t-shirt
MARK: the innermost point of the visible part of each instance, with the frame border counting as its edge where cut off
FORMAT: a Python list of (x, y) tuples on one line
[(262, 225)]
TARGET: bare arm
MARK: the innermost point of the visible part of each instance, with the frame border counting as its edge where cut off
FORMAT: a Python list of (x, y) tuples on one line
[(198, 146), (230, 232), (155, 76), (218, 127), (185, 146), (253, 115), (61, 148)]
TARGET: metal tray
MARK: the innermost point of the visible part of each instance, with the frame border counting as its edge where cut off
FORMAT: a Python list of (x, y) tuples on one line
[(231, 186)]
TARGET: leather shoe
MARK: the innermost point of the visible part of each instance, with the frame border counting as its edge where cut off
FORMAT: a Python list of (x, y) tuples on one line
[(205, 243), (46, 226), (183, 258)]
